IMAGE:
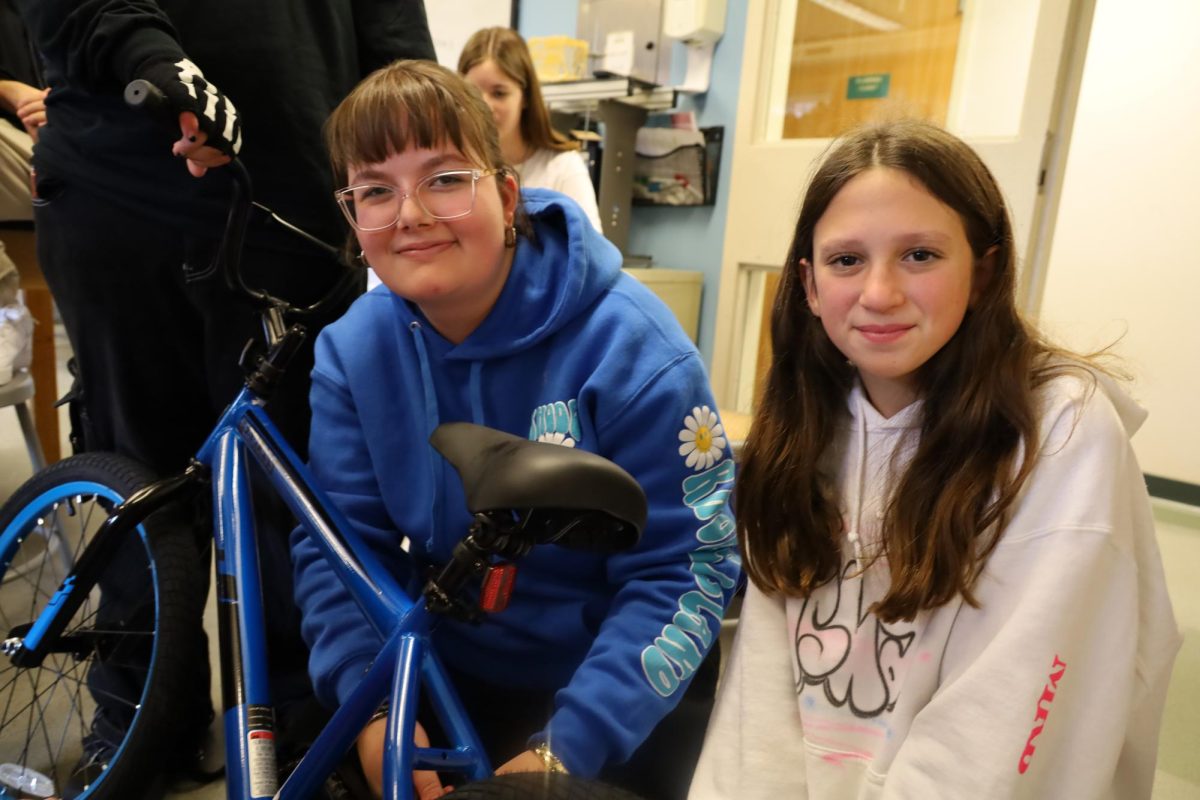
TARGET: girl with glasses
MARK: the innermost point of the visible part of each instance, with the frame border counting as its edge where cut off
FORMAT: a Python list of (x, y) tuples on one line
[(956, 590), (508, 309)]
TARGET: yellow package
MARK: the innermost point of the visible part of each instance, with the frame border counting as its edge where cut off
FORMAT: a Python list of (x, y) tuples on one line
[(558, 58)]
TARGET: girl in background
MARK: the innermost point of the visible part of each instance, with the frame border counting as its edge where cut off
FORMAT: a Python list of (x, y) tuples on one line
[(497, 62), (955, 586)]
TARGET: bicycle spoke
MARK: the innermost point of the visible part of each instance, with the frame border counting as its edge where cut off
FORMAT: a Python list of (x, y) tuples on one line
[(89, 686), (34, 680), (71, 689), (45, 731)]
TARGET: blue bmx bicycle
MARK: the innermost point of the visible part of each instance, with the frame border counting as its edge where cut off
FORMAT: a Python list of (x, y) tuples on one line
[(66, 618)]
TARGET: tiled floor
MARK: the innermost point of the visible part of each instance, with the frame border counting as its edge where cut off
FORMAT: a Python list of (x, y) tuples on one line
[(1179, 538)]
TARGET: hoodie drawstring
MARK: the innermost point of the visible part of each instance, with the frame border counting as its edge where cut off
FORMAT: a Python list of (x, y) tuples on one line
[(431, 423), (476, 392), (859, 485)]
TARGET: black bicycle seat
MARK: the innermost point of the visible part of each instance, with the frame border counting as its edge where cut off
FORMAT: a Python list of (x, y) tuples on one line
[(502, 472)]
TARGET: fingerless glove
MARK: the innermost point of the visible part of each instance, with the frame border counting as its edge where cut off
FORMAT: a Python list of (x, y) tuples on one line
[(186, 89)]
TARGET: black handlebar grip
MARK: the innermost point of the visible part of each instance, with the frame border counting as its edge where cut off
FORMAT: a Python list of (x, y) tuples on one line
[(144, 95)]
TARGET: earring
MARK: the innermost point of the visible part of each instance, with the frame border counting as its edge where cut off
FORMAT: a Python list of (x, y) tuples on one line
[(361, 258), (510, 236)]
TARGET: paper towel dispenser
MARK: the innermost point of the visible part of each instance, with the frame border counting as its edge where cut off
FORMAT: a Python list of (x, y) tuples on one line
[(694, 21), (625, 39)]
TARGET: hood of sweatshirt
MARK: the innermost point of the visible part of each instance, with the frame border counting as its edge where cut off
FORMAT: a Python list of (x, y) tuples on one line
[(537, 301), (878, 446), (1131, 414), (385, 339)]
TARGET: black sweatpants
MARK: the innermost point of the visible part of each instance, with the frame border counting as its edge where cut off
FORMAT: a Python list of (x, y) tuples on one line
[(157, 336)]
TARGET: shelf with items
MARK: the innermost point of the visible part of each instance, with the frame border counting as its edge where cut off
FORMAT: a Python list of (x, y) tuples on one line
[(580, 97), (621, 105), (677, 167)]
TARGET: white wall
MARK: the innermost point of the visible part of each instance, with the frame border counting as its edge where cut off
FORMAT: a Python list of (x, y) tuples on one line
[(1125, 258), (451, 23)]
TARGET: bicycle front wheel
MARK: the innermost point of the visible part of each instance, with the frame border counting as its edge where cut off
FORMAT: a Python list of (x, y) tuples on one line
[(93, 719)]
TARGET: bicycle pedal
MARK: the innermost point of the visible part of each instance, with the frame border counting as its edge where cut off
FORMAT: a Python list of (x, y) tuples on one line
[(497, 587)]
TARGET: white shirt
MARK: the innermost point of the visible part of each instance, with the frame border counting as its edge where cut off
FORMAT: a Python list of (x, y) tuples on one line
[(563, 171)]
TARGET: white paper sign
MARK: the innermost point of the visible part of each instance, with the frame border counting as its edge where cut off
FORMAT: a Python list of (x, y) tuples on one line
[(618, 53), (699, 68)]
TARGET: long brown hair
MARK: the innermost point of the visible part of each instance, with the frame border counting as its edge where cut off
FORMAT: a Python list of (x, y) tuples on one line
[(506, 48), (978, 432)]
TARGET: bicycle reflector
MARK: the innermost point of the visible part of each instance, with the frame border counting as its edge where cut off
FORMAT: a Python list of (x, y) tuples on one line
[(497, 587)]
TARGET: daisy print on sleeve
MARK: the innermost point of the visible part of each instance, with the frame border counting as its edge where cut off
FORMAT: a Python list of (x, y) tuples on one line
[(702, 437)]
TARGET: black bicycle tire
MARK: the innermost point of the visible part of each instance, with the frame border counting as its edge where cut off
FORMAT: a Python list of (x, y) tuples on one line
[(539, 786), (178, 582)]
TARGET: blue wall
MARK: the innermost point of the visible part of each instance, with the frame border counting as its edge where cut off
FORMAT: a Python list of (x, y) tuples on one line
[(546, 17), (680, 238)]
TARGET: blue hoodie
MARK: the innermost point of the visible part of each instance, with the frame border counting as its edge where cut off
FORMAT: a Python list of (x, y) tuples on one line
[(575, 352)]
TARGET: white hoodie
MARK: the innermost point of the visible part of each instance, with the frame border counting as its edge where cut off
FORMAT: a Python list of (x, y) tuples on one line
[(1053, 687)]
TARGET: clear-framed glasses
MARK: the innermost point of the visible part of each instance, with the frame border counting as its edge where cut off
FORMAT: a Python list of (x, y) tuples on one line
[(442, 195)]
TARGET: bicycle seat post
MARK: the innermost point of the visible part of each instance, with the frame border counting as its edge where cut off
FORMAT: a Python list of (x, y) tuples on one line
[(490, 535)]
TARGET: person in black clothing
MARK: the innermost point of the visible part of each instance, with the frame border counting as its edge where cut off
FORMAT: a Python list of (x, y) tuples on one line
[(126, 234), (22, 112)]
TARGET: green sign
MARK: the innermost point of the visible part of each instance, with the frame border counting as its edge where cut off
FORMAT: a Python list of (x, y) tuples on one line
[(865, 87)]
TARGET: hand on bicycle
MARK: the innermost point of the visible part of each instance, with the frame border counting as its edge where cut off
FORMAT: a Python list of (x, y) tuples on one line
[(209, 124), (370, 755), (527, 761), (191, 145)]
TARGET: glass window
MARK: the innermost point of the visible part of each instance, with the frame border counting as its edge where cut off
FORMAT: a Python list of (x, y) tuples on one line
[(964, 64), (852, 61)]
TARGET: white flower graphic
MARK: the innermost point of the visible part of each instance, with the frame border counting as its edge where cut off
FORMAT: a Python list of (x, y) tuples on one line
[(703, 439), (557, 438)]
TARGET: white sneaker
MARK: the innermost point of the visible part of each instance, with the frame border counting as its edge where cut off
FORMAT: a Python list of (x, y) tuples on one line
[(16, 340)]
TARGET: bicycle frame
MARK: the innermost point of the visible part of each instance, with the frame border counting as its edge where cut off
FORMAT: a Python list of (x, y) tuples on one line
[(406, 660), (244, 431), (404, 624)]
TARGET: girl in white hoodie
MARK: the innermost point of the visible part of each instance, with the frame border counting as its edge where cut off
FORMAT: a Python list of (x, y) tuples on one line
[(955, 587)]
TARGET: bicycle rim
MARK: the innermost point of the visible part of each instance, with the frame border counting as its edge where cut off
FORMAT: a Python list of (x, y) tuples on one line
[(51, 722)]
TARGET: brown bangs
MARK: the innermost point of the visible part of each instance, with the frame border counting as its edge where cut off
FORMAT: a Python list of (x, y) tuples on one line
[(410, 104)]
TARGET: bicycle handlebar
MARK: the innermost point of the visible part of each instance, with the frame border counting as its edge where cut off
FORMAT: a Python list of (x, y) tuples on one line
[(143, 95)]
